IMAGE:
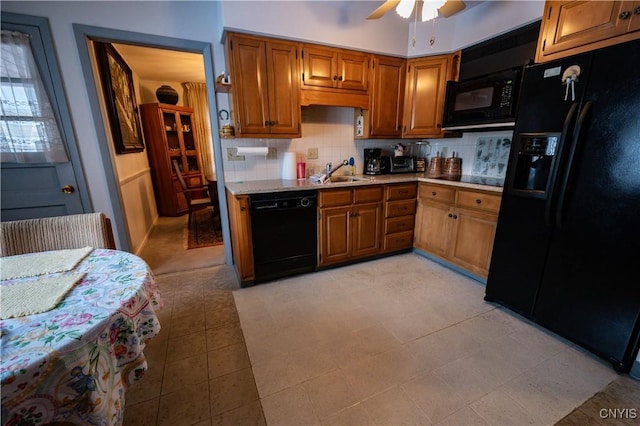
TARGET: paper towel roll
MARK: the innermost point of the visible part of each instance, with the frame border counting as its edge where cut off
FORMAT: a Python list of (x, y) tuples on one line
[(253, 150), (289, 165)]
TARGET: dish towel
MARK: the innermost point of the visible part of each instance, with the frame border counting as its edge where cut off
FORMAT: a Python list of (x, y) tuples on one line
[(41, 263), (35, 295)]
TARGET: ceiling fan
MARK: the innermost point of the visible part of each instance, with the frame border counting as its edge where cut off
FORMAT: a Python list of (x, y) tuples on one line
[(430, 9)]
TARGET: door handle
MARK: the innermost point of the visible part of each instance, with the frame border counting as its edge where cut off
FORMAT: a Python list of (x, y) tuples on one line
[(569, 166), (68, 189), (552, 178)]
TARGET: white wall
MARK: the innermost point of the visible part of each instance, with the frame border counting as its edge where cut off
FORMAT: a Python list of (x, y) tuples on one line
[(482, 22), (339, 23)]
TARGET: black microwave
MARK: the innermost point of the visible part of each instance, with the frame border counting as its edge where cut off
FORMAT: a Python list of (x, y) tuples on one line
[(487, 102)]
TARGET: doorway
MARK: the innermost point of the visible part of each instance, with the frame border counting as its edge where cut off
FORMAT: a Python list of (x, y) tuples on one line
[(124, 222)]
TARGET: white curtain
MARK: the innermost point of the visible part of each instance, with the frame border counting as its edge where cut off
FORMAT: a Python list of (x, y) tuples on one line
[(29, 131), (196, 96)]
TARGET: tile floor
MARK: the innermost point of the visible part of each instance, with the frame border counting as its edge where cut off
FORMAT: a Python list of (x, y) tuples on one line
[(403, 340), (400, 340)]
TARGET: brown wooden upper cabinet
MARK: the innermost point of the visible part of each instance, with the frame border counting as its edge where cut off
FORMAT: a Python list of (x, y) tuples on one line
[(424, 95), (266, 90), (387, 97), (571, 27), (335, 68)]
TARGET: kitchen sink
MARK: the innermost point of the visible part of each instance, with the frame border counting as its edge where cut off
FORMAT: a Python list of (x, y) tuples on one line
[(336, 179)]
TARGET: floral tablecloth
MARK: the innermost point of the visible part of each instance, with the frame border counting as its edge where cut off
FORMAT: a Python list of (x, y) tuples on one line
[(73, 363)]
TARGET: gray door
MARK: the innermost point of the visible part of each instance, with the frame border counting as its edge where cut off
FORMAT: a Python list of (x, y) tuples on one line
[(40, 188)]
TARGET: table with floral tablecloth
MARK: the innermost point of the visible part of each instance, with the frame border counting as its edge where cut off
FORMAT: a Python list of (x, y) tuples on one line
[(74, 362)]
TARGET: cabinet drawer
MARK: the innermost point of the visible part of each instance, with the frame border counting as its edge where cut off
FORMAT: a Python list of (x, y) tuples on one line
[(336, 197), (368, 194), (403, 240), (402, 192), (478, 200), (437, 193), (400, 208), (399, 224)]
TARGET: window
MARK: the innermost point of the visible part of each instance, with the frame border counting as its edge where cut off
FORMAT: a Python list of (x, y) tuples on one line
[(29, 131)]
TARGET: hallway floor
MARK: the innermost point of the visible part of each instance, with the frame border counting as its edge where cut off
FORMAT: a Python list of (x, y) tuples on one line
[(399, 340)]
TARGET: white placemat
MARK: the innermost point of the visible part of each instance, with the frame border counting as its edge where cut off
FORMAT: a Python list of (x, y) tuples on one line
[(35, 296), (41, 263)]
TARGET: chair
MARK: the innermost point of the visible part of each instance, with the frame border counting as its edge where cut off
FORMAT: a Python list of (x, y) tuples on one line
[(56, 233), (190, 194)]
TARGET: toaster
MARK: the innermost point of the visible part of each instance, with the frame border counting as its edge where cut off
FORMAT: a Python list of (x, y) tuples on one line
[(402, 164)]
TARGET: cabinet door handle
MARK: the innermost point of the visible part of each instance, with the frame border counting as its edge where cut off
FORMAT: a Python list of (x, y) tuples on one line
[(478, 201), (624, 15), (636, 11)]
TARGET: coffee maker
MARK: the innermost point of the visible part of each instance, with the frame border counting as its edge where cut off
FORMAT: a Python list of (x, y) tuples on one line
[(374, 162)]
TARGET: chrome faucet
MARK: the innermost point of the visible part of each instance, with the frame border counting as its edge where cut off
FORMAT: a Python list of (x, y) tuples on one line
[(329, 171)]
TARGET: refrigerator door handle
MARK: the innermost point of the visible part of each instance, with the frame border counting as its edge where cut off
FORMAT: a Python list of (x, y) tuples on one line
[(568, 121), (569, 166)]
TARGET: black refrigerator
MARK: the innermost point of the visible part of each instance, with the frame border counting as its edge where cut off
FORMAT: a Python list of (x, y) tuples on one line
[(567, 246)]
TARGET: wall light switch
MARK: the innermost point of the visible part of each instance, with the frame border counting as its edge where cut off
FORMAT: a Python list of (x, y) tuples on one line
[(232, 155), (273, 153), (312, 153)]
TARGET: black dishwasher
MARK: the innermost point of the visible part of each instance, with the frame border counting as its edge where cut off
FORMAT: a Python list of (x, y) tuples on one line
[(284, 234)]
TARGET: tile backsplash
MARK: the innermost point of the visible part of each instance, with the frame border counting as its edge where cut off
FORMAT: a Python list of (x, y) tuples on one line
[(331, 130)]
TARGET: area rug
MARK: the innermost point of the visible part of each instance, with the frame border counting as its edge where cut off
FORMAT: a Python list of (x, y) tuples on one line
[(209, 230)]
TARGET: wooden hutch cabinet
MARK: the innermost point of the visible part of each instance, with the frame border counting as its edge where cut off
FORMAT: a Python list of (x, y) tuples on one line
[(572, 27), (169, 136)]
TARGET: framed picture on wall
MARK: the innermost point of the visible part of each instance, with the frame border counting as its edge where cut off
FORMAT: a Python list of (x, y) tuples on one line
[(117, 84)]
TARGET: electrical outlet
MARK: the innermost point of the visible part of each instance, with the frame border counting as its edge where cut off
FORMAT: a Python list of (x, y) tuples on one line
[(232, 155), (312, 153), (273, 153)]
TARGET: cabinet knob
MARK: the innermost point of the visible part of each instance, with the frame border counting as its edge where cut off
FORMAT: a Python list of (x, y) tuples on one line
[(450, 215), (340, 78), (433, 193), (478, 201), (455, 216), (266, 123), (335, 77), (625, 14)]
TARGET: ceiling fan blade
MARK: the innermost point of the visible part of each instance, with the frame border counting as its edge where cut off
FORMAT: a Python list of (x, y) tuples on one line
[(451, 7), (384, 8)]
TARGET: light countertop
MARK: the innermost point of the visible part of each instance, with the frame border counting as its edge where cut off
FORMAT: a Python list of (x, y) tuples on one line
[(281, 185)]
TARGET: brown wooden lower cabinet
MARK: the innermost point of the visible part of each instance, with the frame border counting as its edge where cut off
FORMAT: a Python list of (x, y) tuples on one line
[(457, 225), (241, 242), (399, 216), (350, 224)]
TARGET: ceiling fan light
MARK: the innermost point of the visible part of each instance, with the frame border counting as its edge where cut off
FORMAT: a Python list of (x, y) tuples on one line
[(430, 9), (405, 7)]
